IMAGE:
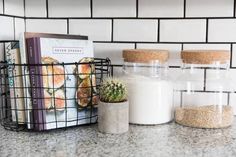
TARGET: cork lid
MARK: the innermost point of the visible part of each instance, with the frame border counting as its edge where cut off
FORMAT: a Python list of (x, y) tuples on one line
[(145, 55), (205, 56)]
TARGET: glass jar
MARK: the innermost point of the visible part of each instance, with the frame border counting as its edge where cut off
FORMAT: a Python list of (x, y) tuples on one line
[(150, 92), (202, 92)]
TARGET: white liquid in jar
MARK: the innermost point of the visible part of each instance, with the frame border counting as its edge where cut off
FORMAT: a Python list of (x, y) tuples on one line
[(150, 100)]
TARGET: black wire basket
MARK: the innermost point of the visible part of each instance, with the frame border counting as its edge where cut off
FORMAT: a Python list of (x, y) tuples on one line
[(52, 97)]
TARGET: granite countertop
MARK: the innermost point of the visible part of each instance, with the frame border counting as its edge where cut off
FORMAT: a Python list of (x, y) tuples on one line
[(161, 140)]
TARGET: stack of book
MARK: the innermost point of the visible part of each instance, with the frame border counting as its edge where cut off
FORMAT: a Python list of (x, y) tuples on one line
[(47, 90)]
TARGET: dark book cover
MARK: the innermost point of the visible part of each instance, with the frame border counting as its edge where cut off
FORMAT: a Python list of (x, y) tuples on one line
[(35, 73)]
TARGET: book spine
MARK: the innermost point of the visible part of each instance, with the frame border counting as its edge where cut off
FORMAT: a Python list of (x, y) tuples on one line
[(16, 86), (25, 73), (10, 60), (36, 82)]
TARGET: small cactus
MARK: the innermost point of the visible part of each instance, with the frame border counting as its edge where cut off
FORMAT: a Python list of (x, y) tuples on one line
[(113, 90)]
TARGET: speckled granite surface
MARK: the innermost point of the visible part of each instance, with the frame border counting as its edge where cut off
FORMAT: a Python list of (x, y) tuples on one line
[(163, 140)]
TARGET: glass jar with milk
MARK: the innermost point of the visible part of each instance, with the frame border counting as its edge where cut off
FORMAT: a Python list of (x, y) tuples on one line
[(150, 90)]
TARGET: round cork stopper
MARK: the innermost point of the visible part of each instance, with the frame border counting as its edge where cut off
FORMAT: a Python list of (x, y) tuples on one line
[(205, 56), (145, 55)]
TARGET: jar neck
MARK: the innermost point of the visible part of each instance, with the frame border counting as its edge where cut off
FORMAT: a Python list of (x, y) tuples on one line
[(150, 69)]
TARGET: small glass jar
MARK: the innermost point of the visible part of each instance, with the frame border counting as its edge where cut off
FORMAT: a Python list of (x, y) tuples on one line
[(150, 92), (202, 92)]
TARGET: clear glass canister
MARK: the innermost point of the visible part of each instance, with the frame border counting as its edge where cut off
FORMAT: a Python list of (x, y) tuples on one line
[(202, 92), (150, 92)]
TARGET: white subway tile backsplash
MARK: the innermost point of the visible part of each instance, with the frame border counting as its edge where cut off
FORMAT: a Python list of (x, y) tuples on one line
[(174, 51), (19, 27), (1, 6), (7, 28), (69, 8), (114, 8), (200, 99), (209, 8), (35, 8), (118, 72), (97, 30), (222, 30), (135, 30), (207, 46), (217, 80), (111, 50), (46, 26), (14, 7), (161, 8), (183, 30)]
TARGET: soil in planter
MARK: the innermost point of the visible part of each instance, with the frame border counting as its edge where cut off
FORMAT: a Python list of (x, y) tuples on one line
[(211, 116)]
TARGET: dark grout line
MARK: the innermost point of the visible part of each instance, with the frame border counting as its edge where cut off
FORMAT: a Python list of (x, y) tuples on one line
[(47, 9), (205, 77), (184, 14), (24, 8), (207, 29), (3, 6), (67, 26), (158, 30), (231, 56), (91, 8), (21, 17), (137, 4), (228, 99), (234, 9), (112, 30)]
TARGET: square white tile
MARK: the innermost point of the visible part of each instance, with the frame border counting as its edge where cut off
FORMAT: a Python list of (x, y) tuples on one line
[(112, 51), (183, 30), (7, 28), (35, 8), (161, 8), (222, 30), (69, 8), (14, 7), (209, 8), (174, 51), (114, 8), (19, 27), (96, 30), (46, 26), (135, 30)]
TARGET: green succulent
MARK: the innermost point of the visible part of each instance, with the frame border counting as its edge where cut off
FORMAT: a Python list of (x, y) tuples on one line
[(113, 90)]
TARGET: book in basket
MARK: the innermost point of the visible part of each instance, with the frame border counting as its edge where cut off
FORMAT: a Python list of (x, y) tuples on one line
[(62, 94), (12, 55)]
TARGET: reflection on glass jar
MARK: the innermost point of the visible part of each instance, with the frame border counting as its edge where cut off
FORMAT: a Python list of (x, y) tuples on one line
[(201, 93), (150, 92)]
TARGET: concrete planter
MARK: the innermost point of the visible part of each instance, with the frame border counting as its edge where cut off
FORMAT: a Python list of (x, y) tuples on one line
[(113, 118)]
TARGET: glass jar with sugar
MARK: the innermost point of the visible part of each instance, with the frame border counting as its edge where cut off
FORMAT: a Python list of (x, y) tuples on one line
[(203, 90), (150, 90)]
